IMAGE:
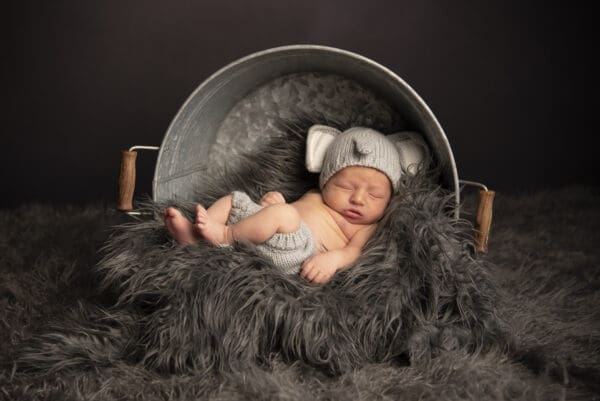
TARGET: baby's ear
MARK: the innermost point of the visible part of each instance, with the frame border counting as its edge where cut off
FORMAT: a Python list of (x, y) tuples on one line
[(318, 141), (412, 148)]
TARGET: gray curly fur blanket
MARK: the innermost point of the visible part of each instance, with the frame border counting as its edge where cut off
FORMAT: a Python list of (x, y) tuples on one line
[(416, 317), (416, 290)]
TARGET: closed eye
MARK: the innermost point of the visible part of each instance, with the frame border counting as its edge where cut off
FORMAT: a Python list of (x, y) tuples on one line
[(344, 186)]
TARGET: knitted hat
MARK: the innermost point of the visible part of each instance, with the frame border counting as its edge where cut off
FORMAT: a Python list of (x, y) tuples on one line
[(357, 146), (329, 150)]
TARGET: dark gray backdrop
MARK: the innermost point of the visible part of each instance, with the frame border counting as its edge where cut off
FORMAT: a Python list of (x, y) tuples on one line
[(511, 82)]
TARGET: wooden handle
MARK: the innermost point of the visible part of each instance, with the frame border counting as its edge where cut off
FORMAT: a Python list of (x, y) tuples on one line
[(484, 219), (127, 180)]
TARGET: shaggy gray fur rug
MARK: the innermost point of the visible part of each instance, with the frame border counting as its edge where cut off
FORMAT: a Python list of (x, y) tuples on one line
[(417, 317)]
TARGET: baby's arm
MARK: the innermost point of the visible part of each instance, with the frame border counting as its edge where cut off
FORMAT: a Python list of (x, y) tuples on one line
[(320, 268)]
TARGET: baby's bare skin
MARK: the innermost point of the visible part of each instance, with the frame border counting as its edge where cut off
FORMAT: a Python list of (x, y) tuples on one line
[(328, 227), (257, 228), (180, 227), (341, 218)]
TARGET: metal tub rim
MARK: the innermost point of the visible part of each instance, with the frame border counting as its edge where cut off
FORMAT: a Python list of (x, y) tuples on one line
[(211, 86)]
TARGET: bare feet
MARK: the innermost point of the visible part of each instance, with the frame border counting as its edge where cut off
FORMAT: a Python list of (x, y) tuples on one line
[(212, 230), (179, 227)]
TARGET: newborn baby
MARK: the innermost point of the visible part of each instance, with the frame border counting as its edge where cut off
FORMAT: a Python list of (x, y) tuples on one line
[(324, 231)]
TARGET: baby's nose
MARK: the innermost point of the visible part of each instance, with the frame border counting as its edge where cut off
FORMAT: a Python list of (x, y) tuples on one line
[(357, 197)]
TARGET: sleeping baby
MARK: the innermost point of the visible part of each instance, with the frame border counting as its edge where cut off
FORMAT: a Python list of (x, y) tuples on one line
[(324, 231)]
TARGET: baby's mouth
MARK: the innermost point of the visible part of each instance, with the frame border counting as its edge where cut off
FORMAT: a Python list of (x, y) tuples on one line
[(352, 213)]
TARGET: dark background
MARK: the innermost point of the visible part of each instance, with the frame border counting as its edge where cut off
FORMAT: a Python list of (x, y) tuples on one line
[(511, 82)]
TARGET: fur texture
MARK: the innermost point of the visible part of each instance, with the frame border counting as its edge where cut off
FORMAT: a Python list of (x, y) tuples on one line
[(415, 291), (417, 317)]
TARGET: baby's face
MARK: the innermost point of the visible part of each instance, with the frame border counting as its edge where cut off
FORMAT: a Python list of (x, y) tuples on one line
[(360, 194)]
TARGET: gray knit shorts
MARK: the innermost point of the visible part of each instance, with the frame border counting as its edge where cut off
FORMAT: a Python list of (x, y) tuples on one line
[(287, 251)]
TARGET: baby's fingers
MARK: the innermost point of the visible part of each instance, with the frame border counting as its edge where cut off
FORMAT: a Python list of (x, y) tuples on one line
[(322, 277), (312, 276), (306, 267), (308, 270)]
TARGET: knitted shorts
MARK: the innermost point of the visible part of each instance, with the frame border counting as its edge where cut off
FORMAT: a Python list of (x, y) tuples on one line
[(287, 251)]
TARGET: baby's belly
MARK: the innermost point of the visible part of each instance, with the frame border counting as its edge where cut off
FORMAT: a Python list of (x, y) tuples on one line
[(327, 235)]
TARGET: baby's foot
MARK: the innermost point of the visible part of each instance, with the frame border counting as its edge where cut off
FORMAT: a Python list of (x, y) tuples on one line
[(179, 227), (213, 231)]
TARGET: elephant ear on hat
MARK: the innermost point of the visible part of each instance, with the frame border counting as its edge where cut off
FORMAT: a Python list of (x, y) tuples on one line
[(319, 138), (413, 150)]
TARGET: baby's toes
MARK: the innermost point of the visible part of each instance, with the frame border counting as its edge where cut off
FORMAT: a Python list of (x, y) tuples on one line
[(201, 214), (172, 213)]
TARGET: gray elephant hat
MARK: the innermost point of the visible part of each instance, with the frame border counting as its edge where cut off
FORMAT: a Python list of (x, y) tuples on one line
[(329, 150)]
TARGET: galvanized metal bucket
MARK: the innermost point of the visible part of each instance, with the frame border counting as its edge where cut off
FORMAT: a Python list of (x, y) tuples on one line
[(233, 110)]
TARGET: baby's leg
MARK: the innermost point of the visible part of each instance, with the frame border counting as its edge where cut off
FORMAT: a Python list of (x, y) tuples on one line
[(180, 227), (220, 210), (185, 232), (257, 228), (217, 215)]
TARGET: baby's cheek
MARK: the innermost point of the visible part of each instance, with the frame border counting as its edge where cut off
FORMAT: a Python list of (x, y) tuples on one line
[(378, 213)]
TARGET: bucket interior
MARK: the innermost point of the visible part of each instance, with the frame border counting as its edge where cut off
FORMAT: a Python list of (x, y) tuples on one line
[(237, 108)]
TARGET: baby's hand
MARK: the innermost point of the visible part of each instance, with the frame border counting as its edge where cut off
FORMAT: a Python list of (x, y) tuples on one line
[(272, 198), (319, 268)]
